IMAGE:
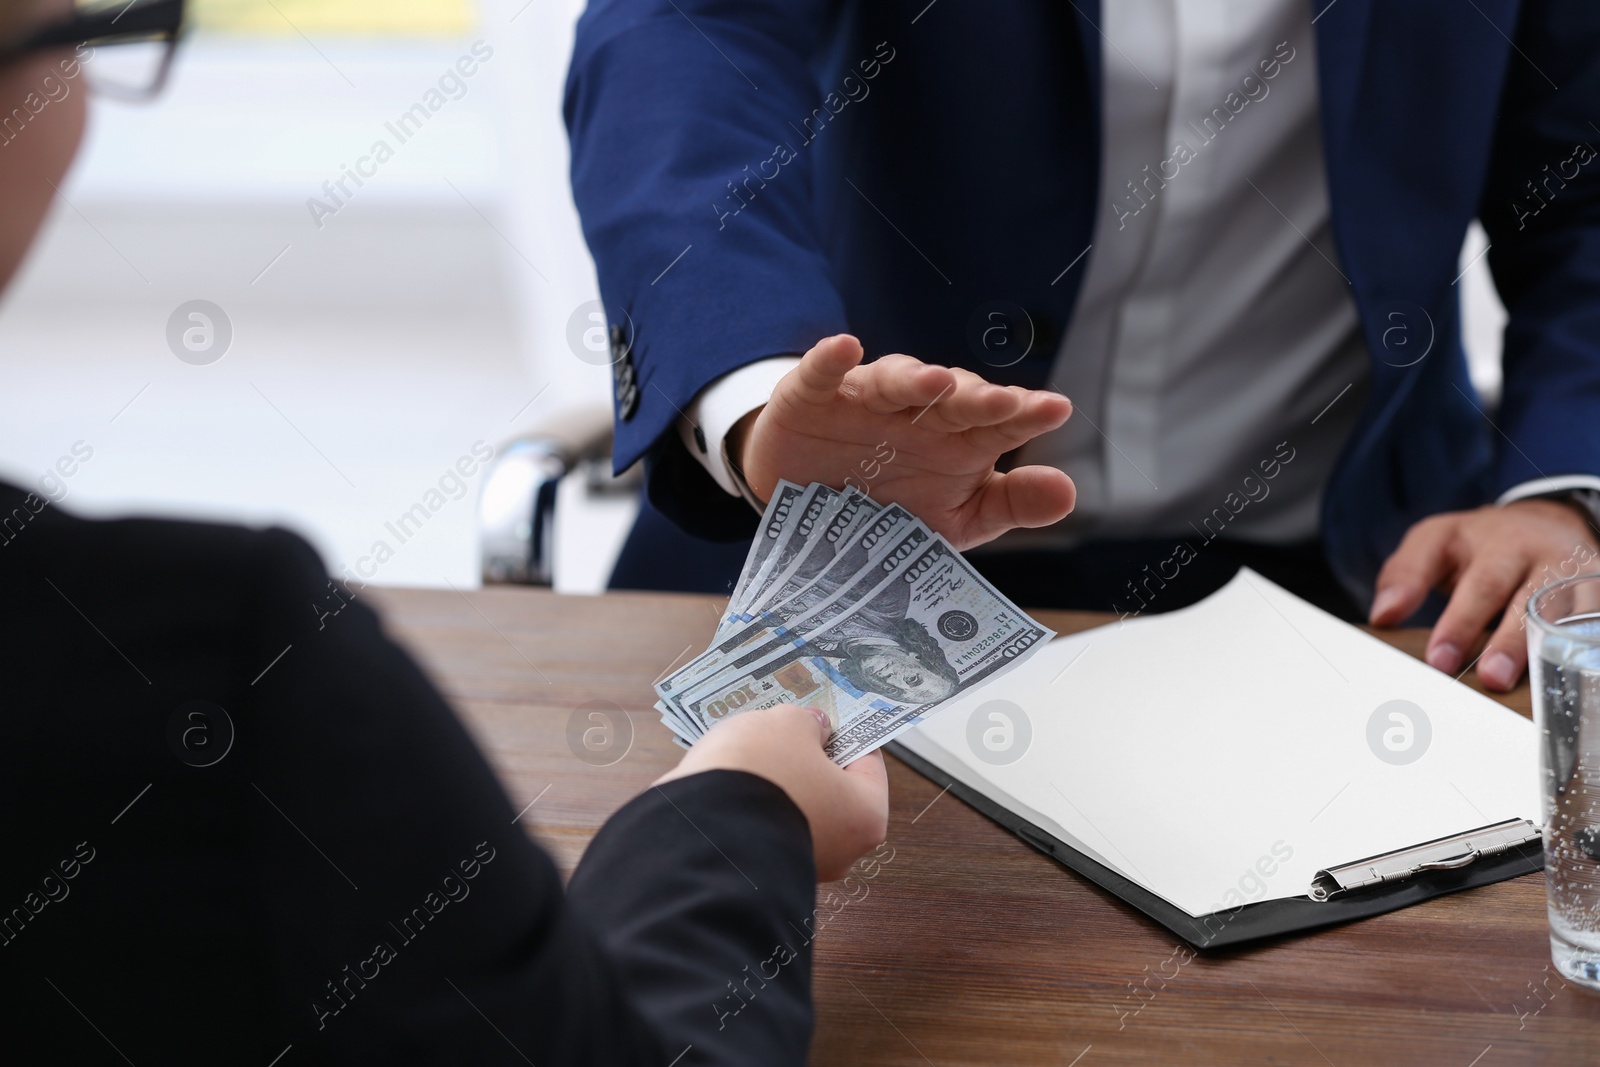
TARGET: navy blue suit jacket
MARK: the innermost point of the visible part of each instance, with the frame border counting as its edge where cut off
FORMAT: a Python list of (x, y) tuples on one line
[(736, 210)]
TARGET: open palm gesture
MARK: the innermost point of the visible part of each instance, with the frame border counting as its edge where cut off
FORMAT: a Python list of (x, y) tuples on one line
[(922, 436)]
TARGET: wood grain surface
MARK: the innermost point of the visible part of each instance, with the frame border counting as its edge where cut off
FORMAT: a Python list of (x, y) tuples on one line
[(968, 947)]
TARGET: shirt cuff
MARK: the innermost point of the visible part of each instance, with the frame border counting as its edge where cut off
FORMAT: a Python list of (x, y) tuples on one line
[(705, 426), (1564, 483), (1581, 489)]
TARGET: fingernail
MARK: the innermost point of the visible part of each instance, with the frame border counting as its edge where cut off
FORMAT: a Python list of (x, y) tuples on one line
[(820, 715), (1386, 601), (1498, 670), (1445, 657)]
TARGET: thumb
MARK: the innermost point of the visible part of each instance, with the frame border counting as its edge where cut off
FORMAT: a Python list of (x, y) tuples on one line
[(1028, 497), (824, 727), (821, 371)]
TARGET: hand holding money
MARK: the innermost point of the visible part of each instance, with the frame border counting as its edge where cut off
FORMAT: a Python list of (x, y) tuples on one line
[(853, 608), (945, 429), (847, 808)]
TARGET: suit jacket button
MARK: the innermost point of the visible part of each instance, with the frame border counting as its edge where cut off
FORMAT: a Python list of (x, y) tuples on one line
[(620, 349), (627, 401)]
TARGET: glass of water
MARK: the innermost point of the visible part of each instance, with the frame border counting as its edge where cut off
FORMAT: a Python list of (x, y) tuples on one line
[(1564, 671)]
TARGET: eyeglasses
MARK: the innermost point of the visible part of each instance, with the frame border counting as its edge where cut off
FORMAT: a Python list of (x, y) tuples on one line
[(144, 33)]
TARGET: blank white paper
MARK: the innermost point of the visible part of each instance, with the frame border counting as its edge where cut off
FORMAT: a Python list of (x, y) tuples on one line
[(1219, 754)]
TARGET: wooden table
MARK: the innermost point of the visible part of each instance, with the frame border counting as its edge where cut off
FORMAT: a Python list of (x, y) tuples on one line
[(972, 948)]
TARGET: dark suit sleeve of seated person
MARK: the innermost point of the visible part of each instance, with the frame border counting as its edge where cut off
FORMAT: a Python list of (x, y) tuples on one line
[(699, 281), (243, 825), (714, 925)]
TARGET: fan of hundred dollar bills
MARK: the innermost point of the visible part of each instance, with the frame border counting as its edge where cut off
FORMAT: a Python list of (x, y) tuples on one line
[(853, 607)]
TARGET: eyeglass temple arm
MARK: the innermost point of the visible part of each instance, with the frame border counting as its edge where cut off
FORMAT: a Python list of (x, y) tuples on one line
[(149, 18)]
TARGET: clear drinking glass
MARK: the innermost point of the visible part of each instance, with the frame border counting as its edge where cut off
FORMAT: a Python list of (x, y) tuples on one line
[(1564, 669)]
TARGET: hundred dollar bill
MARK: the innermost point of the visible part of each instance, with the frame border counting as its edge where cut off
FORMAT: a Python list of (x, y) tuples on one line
[(836, 559), (928, 631), (845, 513), (891, 530), (682, 730), (778, 628), (806, 517), (779, 510)]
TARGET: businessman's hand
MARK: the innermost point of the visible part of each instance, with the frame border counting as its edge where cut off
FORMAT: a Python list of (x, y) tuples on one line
[(922, 436), (847, 807), (1489, 560)]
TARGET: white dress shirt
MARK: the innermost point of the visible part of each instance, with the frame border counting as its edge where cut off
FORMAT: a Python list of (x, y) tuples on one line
[(1214, 331)]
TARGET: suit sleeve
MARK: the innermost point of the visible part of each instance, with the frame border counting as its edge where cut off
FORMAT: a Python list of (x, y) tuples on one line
[(486, 960), (693, 182), (702, 893), (430, 890), (324, 862), (1541, 209)]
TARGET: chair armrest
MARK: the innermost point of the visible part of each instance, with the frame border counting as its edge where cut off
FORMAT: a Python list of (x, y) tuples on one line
[(516, 507)]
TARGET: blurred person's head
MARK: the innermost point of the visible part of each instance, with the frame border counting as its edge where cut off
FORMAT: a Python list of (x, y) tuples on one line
[(41, 123)]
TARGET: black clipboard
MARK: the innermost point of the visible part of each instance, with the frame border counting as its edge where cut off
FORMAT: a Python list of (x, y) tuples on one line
[(1250, 922)]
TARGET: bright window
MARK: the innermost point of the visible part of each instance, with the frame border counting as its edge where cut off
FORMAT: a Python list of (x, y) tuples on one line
[(366, 17)]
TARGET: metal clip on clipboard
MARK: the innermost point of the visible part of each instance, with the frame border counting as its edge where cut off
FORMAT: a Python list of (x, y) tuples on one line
[(1444, 854)]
